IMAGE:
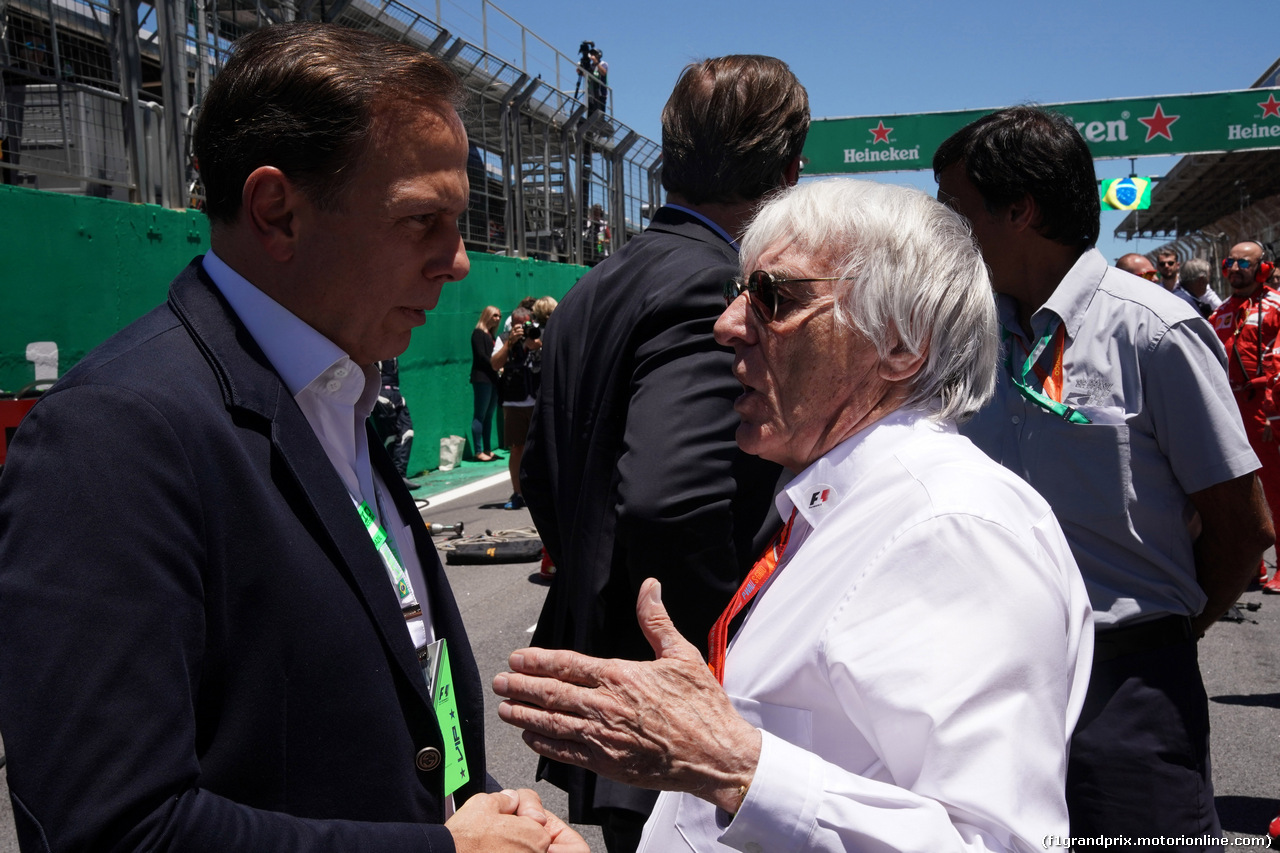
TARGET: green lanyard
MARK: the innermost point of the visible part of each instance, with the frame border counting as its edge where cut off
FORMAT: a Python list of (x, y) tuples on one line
[(1029, 391), (399, 577), (434, 658)]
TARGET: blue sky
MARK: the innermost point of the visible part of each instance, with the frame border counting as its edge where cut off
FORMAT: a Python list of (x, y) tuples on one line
[(859, 58)]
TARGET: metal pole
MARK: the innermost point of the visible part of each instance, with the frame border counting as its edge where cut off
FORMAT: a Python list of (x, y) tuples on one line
[(582, 152), (202, 49), (509, 125), (546, 187), (572, 233), (517, 146), (128, 59), (617, 191), (655, 185), (173, 85), (67, 143)]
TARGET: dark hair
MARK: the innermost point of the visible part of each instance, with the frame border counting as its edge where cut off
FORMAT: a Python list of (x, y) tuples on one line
[(731, 127), (303, 97), (1025, 150)]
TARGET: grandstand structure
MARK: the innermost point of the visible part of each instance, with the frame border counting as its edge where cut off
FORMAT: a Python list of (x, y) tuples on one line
[(97, 97)]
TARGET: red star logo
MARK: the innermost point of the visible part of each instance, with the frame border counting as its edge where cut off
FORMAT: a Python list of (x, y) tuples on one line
[(881, 133), (1270, 107), (1158, 124)]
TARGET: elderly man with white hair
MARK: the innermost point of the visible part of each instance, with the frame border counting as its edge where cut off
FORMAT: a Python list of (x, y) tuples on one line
[(916, 642)]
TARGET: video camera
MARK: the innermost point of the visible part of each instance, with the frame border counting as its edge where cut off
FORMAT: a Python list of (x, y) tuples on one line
[(584, 53)]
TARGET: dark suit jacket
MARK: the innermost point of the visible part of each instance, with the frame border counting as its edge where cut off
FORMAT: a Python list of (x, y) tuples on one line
[(201, 649), (631, 469)]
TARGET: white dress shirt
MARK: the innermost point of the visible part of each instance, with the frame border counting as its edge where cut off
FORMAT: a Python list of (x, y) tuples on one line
[(336, 395), (916, 665)]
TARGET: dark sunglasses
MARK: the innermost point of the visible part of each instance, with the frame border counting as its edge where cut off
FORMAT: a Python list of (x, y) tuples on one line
[(1227, 263), (762, 292)]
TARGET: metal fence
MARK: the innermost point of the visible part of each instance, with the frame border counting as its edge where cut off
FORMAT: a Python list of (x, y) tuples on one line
[(97, 98)]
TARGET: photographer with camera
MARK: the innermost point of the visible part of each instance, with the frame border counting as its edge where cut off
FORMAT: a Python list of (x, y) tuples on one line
[(520, 360), (591, 65)]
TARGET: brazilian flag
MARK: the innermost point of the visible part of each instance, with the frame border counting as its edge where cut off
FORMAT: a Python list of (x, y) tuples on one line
[(1126, 193)]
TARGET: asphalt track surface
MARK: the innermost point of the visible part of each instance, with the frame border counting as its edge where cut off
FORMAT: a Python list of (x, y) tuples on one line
[(501, 602)]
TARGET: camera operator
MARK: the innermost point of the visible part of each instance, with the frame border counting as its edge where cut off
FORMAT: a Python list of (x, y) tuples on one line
[(592, 66), (520, 362)]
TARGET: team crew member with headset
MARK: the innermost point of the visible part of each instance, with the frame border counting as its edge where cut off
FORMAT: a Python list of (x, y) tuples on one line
[(1248, 324)]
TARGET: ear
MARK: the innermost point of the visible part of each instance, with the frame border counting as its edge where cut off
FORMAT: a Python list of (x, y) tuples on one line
[(270, 206), (1024, 214), (901, 364), (791, 173)]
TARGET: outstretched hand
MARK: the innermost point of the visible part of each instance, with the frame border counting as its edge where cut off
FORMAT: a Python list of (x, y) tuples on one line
[(664, 724)]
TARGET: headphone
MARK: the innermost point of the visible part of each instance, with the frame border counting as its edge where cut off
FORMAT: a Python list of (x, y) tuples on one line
[(1265, 268)]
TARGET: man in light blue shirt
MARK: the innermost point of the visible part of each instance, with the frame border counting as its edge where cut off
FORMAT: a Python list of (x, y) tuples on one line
[(1112, 401)]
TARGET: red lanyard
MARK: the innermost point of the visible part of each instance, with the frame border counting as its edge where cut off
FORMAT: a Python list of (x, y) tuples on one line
[(1052, 381), (718, 638)]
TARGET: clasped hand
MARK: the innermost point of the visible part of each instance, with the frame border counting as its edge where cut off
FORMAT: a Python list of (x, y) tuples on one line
[(664, 724), (511, 822)]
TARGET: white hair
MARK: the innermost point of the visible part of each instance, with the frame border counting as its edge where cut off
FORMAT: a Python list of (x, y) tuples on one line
[(918, 280)]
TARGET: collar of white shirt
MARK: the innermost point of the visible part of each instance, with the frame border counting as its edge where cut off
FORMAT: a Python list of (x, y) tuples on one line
[(828, 480), (335, 394)]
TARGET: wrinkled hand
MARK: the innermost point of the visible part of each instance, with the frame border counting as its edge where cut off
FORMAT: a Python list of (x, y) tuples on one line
[(664, 724), (508, 821)]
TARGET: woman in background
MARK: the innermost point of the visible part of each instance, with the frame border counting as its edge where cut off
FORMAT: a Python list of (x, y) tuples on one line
[(542, 310), (484, 383)]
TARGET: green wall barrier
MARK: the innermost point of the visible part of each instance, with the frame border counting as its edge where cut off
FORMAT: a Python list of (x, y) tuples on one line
[(75, 270), (435, 372)]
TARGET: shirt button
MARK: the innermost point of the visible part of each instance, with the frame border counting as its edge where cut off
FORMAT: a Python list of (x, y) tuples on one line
[(428, 759), (341, 372), (1017, 419), (333, 386)]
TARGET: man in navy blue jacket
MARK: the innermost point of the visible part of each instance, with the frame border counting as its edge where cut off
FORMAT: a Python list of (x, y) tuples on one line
[(216, 640), (631, 470)]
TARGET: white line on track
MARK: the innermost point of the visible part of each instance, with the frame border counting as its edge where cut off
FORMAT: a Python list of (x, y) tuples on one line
[(468, 489)]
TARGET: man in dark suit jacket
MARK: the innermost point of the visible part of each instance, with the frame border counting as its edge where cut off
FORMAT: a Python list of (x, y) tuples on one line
[(631, 469), (203, 646)]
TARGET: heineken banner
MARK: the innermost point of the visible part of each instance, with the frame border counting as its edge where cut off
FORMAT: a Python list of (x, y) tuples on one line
[(1132, 127)]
